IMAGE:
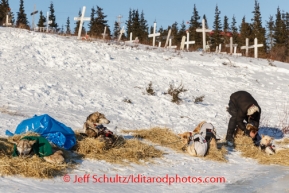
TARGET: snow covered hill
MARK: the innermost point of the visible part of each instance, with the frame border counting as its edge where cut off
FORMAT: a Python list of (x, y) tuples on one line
[(69, 79)]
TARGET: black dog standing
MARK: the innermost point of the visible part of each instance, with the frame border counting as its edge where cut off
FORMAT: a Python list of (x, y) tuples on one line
[(242, 106)]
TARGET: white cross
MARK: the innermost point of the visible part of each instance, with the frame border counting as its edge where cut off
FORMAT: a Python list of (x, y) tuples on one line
[(183, 42), (47, 21), (154, 34), (104, 33), (207, 47), (231, 45), (219, 49), (81, 20), (7, 23), (121, 32), (256, 46), (160, 43), (130, 38), (189, 42), (168, 37), (246, 47), (203, 30), (170, 44)]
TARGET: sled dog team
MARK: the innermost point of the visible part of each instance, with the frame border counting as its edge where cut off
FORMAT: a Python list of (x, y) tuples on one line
[(242, 107)]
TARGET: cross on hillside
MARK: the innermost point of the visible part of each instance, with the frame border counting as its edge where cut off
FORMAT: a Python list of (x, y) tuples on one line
[(154, 34), (120, 34), (7, 21), (231, 45), (81, 20), (255, 46), (47, 21), (189, 42), (246, 47), (104, 33), (203, 30)]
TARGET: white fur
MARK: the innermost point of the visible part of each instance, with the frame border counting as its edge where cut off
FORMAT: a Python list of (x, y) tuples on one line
[(252, 110)]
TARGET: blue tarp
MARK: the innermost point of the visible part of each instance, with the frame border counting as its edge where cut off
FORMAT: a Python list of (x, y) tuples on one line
[(46, 126)]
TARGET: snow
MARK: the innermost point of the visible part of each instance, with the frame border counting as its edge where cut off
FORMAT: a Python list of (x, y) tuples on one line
[(69, 79)]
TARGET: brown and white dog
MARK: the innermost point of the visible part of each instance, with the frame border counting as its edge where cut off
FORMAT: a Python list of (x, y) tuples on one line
[(92, 121), (200, 140), (266, 145), (24, 148)]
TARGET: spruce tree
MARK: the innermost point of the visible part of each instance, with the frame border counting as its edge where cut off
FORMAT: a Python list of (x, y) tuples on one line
[(270, 27), (91, 22), (245, 32), (68, 30), (174, 33), (21, 15), (136, 31), (182, 31), (280, 34), (217, 26), (77, 24), (258, 31), (234, 31), (42, 20), (143, 28), (99, 22), (116, 30), (52, 17), (226, 29), (195, 24), (129, 23)]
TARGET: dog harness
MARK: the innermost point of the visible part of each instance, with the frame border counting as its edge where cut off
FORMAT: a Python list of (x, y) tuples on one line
[(200, 144), (103, 130), (208, 131), (271, 147)]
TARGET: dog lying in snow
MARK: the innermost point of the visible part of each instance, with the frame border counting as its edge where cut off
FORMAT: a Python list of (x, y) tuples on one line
[(29, 145), (200, 140)]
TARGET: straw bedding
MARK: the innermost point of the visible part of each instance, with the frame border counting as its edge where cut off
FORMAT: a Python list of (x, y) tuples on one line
[(246, 146), (165, 137), (119, 150), (28, 167)]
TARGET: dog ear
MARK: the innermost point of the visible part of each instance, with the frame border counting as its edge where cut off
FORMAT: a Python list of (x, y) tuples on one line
[(272, 138), (14, 141), (262, 135), (32, 142)]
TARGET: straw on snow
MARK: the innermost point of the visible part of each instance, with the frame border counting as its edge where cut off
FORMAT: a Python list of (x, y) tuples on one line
[(166, 137), (122, 151), (246, 146), (27, 167)]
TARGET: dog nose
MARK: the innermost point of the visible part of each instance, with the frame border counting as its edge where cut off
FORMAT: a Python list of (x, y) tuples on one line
[(108, 121)]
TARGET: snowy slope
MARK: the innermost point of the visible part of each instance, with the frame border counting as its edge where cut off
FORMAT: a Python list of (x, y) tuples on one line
[(69, 79)]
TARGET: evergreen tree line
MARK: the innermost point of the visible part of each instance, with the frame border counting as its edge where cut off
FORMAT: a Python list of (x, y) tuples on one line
[(274, 37)]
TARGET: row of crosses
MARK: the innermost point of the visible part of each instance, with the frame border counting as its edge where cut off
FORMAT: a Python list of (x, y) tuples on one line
[(203, 30)]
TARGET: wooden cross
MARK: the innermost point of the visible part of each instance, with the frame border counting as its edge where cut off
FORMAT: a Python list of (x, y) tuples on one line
[(47, 21), (256, 46), (231, 45), (203, 30), (154, 34), (33, 14), (7, 21), (104, 33), (81, 20), (170, 44), (183, 42), (130, 38), (189, 42), (246, 47), (121, 32)]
